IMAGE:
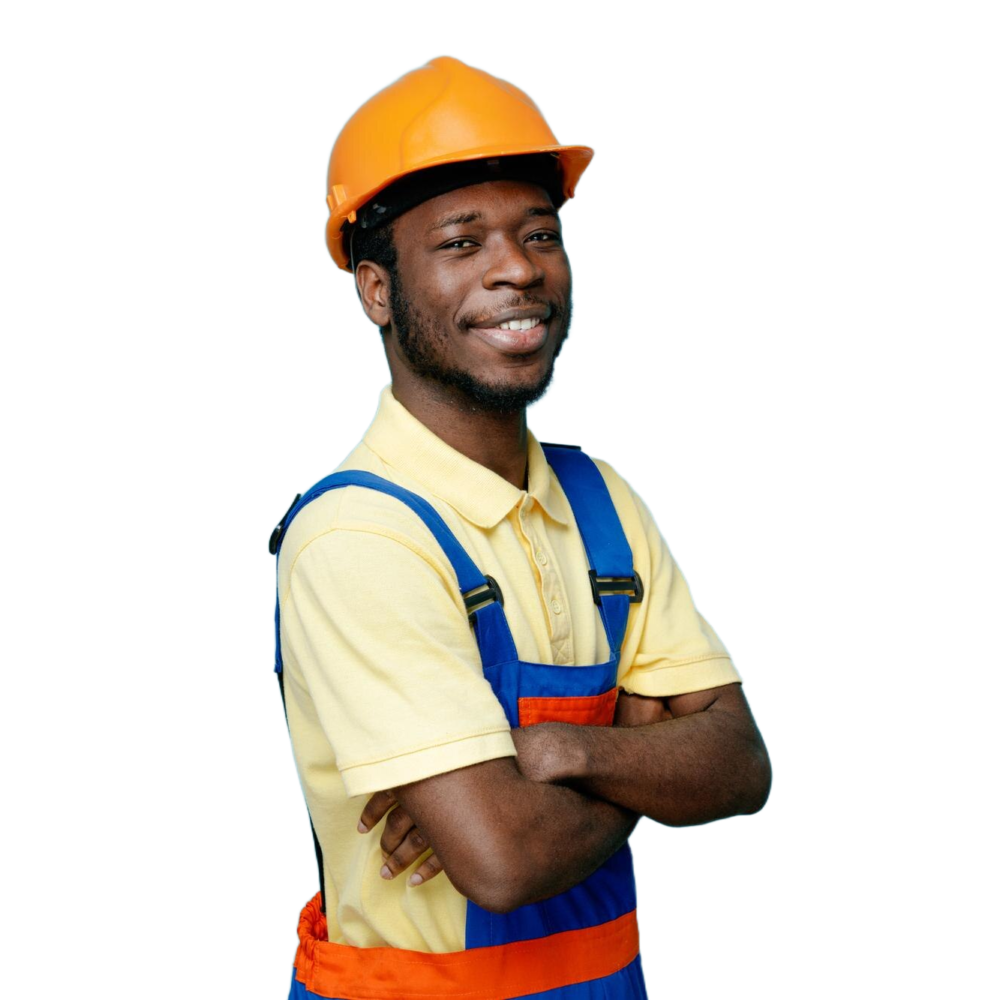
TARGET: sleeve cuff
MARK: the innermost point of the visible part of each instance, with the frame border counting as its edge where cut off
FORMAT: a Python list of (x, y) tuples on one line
[(364, 779), (668, 679)]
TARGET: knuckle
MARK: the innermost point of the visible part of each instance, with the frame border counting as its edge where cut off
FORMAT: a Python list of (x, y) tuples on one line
[(430, 867), (397, 820)]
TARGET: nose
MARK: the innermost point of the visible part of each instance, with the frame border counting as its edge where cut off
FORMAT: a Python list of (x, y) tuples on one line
[(511, 264)]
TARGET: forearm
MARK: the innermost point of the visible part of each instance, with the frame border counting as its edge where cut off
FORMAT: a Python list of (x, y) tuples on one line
[(693, 769), (518, 840), (564, 835), (679, 772)]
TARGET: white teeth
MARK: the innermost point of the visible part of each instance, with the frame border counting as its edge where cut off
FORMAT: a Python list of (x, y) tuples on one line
[(520, 324)]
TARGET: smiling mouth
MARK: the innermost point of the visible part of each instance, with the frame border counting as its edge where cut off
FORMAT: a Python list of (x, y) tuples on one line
[(516, 336)]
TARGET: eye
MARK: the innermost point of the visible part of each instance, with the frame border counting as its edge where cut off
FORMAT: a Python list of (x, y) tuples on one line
[(550, 238), (545, 237), (455, 244)]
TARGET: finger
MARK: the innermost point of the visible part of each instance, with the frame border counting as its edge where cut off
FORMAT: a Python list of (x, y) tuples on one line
[(397, 825), (426, 871), (412, 846), (375, 809)]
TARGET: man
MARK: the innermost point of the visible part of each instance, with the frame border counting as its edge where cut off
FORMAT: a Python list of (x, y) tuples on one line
[(491, 665)]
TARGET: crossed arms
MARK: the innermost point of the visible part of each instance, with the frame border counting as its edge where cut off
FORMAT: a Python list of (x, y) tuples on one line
[(513, 831)]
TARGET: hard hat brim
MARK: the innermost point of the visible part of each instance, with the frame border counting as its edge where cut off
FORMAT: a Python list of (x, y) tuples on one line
[(574, 158)]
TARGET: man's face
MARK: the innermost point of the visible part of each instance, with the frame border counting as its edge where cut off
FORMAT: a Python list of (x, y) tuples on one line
[(470, 262)]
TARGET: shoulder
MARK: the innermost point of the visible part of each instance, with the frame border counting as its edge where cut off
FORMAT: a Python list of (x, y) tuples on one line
[(361, 524), (636, 519)]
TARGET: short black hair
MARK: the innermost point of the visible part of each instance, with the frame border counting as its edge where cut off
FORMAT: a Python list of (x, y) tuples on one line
[(378, 246)]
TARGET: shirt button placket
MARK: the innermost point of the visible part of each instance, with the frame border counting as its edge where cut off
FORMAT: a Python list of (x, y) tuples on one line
[(551, 592)]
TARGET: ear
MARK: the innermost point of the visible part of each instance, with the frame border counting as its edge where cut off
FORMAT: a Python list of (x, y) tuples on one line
[(372, 281)]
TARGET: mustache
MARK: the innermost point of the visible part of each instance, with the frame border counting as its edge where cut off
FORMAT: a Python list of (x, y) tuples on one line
[(554, 308)]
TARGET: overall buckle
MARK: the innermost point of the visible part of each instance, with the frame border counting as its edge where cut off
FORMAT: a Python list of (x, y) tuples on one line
[(603, 586), (480, 597), (272, 545)]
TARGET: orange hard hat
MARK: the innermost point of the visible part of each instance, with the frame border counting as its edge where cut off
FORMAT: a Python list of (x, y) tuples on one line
[(444, 112)]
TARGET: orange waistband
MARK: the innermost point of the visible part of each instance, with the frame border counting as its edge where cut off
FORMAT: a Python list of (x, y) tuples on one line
[(492, 973)]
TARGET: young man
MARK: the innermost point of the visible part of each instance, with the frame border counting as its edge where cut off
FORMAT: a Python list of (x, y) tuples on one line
[(491, 664)]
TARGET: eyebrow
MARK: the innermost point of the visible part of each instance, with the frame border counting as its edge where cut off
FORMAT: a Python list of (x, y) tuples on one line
[(460, 218)]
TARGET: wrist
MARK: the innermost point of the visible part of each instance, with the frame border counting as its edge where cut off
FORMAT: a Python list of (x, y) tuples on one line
[(570, 755), (551, 752)]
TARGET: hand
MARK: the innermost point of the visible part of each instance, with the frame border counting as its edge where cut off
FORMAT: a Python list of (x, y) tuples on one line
[(402, 843), (639, 710)]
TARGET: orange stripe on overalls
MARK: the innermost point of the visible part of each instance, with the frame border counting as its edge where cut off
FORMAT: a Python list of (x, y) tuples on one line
[(493, 973)]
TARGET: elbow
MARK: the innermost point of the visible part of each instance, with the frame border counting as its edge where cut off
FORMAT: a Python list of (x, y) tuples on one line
[(491, 880), (497, 901), (528, 878), (491, 892), (508, 894), (758, 784), (516, 872)]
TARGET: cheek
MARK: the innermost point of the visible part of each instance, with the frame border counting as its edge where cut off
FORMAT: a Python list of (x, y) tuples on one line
[(428, 330), (443, 289)]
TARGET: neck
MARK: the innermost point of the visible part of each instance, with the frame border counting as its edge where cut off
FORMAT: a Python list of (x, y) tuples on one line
[(498, 441)]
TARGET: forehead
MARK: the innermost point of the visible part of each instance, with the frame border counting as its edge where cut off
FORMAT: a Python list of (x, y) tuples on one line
[(491, 203)]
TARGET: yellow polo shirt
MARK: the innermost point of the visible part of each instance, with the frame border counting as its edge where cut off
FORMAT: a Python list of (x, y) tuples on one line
[(383, 680)]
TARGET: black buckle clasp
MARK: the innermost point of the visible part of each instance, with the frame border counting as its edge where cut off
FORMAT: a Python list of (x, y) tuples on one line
[(602, 586), (272, 545), (480, 597)]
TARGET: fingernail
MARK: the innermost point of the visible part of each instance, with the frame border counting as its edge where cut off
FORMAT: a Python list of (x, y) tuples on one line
[(361, 827), (385, 873), (415, 879)]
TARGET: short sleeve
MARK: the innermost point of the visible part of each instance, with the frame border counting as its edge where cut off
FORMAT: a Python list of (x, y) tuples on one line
[(381, 641), (677, 651)]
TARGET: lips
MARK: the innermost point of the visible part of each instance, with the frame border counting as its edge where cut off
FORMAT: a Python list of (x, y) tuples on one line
[(513, 341)]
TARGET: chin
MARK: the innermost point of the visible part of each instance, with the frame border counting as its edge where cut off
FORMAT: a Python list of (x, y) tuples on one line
[(502, 395)]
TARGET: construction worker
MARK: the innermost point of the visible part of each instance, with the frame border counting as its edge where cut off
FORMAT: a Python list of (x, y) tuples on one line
[(490, 663)]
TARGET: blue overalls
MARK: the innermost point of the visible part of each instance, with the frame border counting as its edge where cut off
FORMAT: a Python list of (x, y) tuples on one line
[(583, 943)]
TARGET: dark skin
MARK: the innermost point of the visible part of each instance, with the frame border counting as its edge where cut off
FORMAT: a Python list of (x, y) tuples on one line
[(683, 760), (402, 842), (458, 276), (515, 830)]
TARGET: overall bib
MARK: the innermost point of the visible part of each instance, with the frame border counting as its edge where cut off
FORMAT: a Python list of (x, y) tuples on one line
[(582, 944)]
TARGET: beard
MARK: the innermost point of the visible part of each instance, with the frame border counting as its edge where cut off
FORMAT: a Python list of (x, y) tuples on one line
[(423, 345)]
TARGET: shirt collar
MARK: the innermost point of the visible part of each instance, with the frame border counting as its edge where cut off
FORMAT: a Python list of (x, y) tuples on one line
[(477, 493)]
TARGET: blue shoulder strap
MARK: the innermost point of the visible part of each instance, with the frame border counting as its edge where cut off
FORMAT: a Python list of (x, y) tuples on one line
[(613, 580)]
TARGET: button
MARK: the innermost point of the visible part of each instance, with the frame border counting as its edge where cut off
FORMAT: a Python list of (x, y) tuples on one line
[(557, 607), (543, 559)]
